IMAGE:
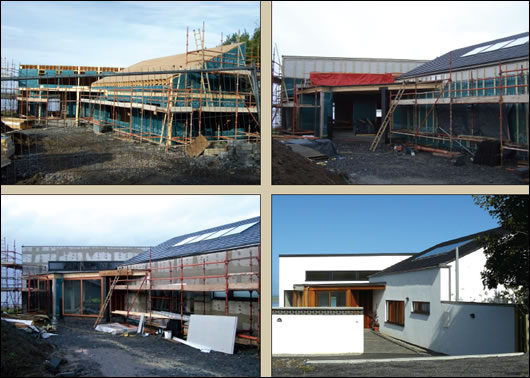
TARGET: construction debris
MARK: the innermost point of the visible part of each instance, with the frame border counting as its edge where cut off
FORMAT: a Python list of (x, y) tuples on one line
[(197, 146), (116, 328)]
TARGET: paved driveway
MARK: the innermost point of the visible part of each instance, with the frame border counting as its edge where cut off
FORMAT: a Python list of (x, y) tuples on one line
[(379, 347)]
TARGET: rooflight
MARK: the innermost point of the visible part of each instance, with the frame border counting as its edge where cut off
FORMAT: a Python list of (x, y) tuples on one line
[(497, 46), (216, 234), (203, 236), (476, 50), (186, 241), (443, 249), (240, 229), (517, 42)]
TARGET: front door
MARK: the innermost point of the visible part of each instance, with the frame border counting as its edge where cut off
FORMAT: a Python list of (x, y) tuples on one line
[(365, 301)]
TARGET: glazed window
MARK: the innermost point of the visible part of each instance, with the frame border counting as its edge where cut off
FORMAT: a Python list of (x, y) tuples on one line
[(395, 312), (421, 308)]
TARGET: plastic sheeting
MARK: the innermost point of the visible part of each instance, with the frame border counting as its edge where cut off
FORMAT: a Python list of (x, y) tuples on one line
[(483, 121), (338, 79)]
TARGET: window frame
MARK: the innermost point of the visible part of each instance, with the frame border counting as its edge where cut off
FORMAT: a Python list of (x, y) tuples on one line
[(81, 279), (394, 309), (417, 307)]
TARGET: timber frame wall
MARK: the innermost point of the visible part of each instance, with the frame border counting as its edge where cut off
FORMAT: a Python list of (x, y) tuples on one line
[(223, 271), (416, 116), (215, 94)]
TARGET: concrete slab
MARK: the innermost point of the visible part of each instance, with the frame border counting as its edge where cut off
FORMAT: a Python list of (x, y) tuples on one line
[(378, 346)]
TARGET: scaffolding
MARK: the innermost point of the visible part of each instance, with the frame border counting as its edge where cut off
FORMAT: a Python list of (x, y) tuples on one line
[(290, 101), (11, 277), (170, 102), (418, 120), (133, 280)]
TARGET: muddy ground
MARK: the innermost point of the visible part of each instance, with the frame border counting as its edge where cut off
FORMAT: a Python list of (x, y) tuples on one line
[(76, 155), (388, 167), (90, 354)]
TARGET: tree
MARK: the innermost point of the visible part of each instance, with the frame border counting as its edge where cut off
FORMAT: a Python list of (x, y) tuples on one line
[(507, 253), (252, 44)]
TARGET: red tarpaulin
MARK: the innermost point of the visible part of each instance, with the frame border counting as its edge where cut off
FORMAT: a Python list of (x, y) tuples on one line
[(335, 79)]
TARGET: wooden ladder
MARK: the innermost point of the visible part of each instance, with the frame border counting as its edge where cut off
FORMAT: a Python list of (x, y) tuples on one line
[(386, 121), (107, 299)]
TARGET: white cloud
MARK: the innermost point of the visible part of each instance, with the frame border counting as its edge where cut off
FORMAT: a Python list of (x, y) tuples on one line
[(117, 219), (407, 30)]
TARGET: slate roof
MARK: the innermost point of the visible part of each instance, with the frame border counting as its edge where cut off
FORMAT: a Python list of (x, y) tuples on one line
[(423, 260), (168, 250), (442, 63)]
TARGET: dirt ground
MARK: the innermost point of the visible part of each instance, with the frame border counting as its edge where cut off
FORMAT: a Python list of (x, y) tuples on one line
[(76, 155), (386, 166), (90, 354), (289, 168), (23, 355)]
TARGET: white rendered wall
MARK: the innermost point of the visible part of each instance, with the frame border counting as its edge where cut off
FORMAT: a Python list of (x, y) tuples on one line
[(292, 268), (317, 334), (471, 287), (449, 328), (475, 328), (419, 286)]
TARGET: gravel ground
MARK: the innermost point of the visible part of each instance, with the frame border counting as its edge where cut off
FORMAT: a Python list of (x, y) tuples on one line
[(386, 166), (90, 353), (482, 367), (76, 155)]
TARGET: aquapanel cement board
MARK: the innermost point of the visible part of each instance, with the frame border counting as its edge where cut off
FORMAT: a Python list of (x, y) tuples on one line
[(215, 332)]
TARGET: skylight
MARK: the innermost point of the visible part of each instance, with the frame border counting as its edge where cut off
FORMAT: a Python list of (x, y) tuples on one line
[(240, 229), (518, 41), (218, 233), (443, 249), (497, 46), (185, 241), (476, 50)]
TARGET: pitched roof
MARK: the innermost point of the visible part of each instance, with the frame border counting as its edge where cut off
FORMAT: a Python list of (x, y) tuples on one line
[(456, 59), (172, 62), (240, 234), (441, 253)]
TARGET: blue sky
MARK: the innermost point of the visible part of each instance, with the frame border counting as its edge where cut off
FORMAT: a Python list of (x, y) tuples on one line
[(115, 33), (119, 220), (369, 223)]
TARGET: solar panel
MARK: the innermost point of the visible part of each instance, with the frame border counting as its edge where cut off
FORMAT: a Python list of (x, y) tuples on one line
[(443, 249)]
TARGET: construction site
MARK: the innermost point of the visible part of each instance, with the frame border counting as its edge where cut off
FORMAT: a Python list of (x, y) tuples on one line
[(461, 118), (190, 118), (189, 306)]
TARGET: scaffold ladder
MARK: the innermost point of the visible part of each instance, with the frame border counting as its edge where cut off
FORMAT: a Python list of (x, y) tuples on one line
[(386, 121), (107, 299)]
